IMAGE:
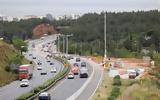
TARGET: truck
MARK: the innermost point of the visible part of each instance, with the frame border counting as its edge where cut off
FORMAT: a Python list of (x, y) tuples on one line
[(75, 70), (83, 73), (25, 71)]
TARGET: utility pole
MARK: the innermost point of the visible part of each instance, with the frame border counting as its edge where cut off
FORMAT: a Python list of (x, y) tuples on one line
[(58, 46), (67, 42), (105, 49), (63, 44)]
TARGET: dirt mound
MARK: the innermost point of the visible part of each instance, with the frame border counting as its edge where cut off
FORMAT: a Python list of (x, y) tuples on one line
[(42, 29)]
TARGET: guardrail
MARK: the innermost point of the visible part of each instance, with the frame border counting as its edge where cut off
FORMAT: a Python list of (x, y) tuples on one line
[(48, 84)]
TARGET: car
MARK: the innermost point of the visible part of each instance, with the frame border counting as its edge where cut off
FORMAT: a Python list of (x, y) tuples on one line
[(76, 65), (44, 73), (44, 96), (83, 64), (70, 76), (34, 57), (83, 72), (132, 75), (24, 83), (137, 72), (39, 68), (30, 54), (42, 38), (39, 63), (51, 63), (78, 59), (53, 70)]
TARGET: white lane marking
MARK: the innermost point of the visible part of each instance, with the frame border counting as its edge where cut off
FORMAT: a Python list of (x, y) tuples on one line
[(79, 92), (100, 81)]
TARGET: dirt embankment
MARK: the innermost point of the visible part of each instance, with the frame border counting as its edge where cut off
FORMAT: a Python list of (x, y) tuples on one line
[(42, 29)]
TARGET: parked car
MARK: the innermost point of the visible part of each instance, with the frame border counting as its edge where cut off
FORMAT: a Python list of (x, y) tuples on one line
[(132, 75), (70, 76), (137, 72), (44, 96), (24, 83)]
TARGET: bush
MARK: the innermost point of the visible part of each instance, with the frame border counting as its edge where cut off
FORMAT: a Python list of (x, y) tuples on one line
[(115, 92), (117, 77), (111, 98), (122, 53), (117, 80), (36, 90), (7, 68)]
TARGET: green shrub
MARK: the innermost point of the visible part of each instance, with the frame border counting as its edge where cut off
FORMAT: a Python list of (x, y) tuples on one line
[(122, 53), (7, 68), (36, 90), (111, 98), (117, 80), (117, 77), (25, 96), (115, 92)]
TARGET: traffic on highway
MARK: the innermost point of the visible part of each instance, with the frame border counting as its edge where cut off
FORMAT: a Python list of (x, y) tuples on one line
[(43, 67)]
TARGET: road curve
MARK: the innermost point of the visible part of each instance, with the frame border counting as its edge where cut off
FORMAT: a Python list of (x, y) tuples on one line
[(67, 87), (13, 90), (94, 83)]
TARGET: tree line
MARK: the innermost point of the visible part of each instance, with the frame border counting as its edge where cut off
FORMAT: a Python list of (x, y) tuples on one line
[(127, 32)]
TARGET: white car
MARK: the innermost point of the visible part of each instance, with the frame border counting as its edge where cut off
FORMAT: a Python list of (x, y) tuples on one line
[(39, 68), (53, 70), (24, 83), (70, 76)]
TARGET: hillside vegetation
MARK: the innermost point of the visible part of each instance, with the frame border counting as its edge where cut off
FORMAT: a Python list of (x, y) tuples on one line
[(7, 55), (127, 33)]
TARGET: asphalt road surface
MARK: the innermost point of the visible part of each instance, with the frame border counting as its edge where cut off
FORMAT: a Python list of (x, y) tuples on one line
[(68, 87), (13, 90)]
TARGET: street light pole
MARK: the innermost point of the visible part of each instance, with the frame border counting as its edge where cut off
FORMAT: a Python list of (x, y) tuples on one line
[(63, 45), (105, 49), (58, 49), (67, 42)]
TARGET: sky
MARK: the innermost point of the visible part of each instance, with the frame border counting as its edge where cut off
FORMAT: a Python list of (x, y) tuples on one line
[(62, 7)]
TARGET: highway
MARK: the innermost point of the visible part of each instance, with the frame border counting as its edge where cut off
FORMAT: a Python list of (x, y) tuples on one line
[(93, 84), (13, 90), (67, 87)]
